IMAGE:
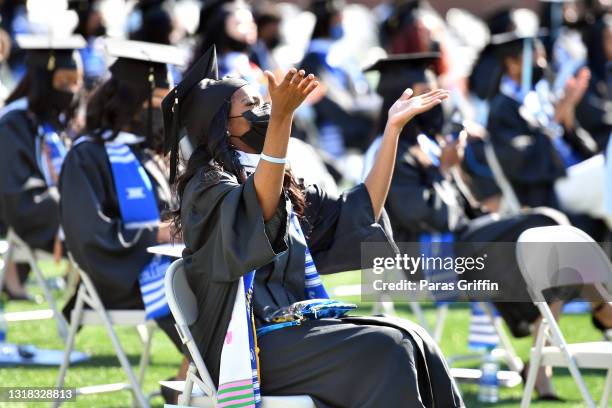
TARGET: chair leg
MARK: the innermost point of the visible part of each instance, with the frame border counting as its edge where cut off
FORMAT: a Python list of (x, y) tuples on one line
[(76, 317), (149, 330), (607, 390), (534, 365), (185, 397), (8, 258), (123, 360), (513, 361), (440, 320), (59, 318)]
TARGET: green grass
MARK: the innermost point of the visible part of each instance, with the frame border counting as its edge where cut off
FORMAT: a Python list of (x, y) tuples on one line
[(103, 366)]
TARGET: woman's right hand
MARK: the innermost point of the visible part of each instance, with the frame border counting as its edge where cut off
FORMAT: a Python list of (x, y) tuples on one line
[(289, 94)]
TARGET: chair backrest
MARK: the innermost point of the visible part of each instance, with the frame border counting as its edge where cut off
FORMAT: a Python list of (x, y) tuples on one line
[(560, 255), (184, 308), (180, 296)]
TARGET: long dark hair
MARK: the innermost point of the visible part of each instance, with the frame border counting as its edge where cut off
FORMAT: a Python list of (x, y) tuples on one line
[(214, 153), (35, 86), (113, 106)]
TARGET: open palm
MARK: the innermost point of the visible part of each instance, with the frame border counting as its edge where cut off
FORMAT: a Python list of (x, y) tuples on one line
[(407, 106)]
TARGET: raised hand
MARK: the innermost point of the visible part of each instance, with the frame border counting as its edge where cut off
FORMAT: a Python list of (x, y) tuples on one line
[(407, 106), (575, 87), (289, 94)]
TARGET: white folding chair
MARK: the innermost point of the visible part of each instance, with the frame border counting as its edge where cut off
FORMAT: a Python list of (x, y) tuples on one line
[(184, 308), (559, 256), (20, 252), (90, 311)]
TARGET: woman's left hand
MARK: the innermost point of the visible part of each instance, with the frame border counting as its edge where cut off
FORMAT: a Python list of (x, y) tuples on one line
[(407, 106)]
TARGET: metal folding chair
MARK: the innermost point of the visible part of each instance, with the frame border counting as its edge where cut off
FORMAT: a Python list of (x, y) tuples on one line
[(90, 311), (20, 252), (183, 305), (560, 256)]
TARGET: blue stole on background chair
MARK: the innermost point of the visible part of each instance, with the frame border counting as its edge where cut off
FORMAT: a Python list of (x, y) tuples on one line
[(138, 208)]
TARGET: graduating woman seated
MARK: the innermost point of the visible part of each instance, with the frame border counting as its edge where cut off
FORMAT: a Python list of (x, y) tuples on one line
[(257, 239), (114, 187), (32, 144)]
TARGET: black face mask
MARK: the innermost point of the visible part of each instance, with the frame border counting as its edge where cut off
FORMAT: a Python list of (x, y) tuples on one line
[(273, 42), (61, 101), (537, 74), (432, 121), (258, 119)]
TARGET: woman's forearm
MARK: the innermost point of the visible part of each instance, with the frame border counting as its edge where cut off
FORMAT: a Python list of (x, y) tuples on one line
[(378, 180), (268, 176)]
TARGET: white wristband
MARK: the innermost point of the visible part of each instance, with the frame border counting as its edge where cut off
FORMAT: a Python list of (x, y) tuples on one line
[(274, 160)]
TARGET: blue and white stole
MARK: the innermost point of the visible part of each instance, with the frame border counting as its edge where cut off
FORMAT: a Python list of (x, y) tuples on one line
[(239, 371), (538, 104), (50, 153), (138, 208)]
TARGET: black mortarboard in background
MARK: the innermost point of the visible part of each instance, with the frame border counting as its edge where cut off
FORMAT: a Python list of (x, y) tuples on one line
[(142, 62), (144, 66), (326, 7), (399, 71), (194, 102), (43, 51)]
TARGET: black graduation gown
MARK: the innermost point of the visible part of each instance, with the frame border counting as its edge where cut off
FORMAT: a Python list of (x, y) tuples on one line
[(594, 112), (27, 204), (525, 153), (112, 256), (350, 362), (420, 199)]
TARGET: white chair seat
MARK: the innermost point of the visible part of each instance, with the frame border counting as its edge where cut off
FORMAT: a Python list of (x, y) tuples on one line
[(199, 400), (116, 317), (595, 355)]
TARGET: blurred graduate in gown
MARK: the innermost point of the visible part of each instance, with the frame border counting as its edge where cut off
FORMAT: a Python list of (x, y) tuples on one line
[(32, 138), (114, 185)]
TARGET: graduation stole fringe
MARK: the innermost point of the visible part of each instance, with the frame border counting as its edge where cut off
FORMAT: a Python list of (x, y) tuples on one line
[(239, 379)]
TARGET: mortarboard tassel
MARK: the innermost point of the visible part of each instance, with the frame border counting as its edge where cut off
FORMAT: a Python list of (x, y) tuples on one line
[(51, 62), (150, 107), (175, 138)]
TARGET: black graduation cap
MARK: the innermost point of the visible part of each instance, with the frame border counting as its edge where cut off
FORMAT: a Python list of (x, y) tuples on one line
[(143, 63), (44, 51), (194, 102), (144, 66), (326, 7), (402, 70)]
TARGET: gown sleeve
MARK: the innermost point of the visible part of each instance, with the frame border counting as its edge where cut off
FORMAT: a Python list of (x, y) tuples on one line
[(594, 112), (224, 228), (29, 206), (95, 236), (336, 226)]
